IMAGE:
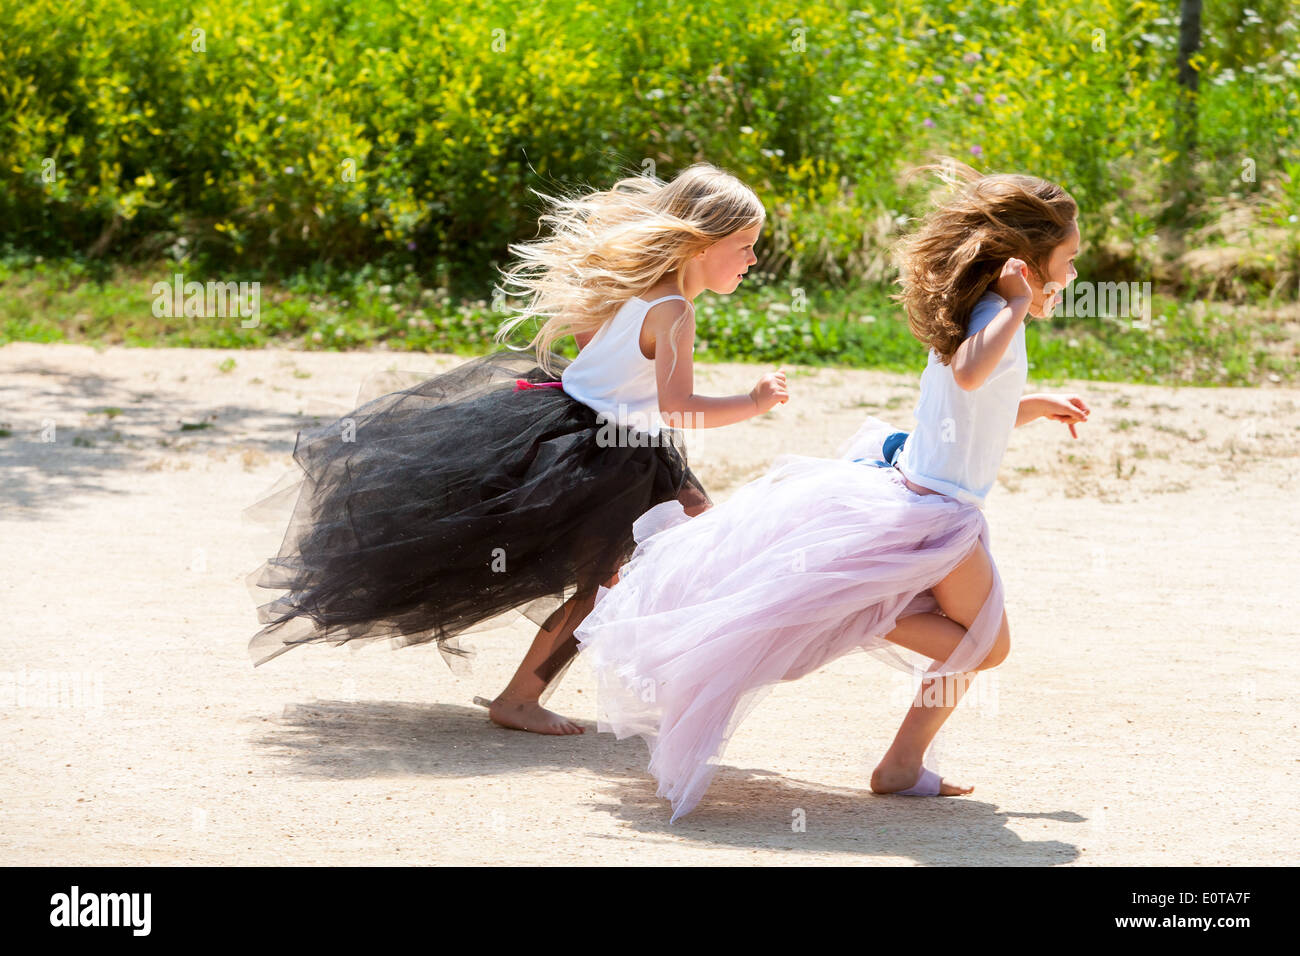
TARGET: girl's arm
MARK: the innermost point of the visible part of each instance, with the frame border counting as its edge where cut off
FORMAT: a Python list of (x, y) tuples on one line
[(977, 357), (1031, 409), (675, 376), (1069, 409)]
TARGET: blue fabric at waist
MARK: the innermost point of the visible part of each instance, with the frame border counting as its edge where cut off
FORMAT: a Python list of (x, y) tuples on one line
[(890, 449)]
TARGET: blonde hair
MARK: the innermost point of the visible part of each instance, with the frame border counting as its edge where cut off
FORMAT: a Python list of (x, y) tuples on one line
[(960, 247), (607, 246)]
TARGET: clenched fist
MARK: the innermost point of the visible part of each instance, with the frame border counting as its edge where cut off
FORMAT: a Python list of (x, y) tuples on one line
[(770, 391)]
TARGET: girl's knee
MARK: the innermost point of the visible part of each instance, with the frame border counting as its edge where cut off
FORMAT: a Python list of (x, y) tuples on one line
[(1000, 649)]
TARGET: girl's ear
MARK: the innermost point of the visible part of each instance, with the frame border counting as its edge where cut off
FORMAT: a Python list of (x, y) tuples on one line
[(1034, 272)]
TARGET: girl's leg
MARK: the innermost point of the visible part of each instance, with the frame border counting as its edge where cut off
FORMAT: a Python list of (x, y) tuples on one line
[(519, 705), (960, 595)]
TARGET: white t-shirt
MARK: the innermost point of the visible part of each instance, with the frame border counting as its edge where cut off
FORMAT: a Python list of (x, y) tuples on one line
[(961, 436), (611, 375)]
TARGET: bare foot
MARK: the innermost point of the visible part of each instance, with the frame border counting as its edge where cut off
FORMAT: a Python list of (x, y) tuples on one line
[(531, 716), (892, 778)]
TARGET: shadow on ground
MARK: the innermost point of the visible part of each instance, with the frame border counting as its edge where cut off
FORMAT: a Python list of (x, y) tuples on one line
[(66, 431), (745, 807)]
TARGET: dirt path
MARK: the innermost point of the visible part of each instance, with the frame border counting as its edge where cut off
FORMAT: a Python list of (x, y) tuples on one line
[(1145, 716)]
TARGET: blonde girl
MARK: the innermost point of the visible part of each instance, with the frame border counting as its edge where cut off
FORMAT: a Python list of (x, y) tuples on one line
[(513, 481)]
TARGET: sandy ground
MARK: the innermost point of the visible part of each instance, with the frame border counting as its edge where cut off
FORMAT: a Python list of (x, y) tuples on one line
[(1145, 716)]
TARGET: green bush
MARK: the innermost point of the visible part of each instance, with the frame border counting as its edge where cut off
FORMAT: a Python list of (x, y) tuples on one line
[(271, 136)]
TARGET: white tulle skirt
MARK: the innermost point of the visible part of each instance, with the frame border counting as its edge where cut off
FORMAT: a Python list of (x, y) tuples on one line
[(817, 558)]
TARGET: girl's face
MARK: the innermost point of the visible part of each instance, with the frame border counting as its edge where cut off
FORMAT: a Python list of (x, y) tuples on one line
[(723, 264), (1060, 273)]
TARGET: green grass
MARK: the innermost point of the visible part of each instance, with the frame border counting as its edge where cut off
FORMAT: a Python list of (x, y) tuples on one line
[(766, 322)]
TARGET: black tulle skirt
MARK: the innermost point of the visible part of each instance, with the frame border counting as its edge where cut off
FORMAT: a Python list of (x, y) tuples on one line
[(434, 508)]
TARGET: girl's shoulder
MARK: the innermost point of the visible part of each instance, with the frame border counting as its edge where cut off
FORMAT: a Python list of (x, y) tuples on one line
[(666, 305), (667, 320), (660, 295), (984, 311)]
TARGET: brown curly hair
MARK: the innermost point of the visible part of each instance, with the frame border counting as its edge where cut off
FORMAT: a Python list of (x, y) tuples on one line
[(958, 251)]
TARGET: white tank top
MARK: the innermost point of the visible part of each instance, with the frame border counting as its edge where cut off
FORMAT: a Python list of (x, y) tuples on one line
[(612, 377), (961, 436)]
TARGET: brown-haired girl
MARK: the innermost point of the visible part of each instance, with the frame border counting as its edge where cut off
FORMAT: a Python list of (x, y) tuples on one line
[(821, 557)]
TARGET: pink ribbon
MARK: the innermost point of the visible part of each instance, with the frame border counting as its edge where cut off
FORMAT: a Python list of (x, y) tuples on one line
[(523, 383)]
